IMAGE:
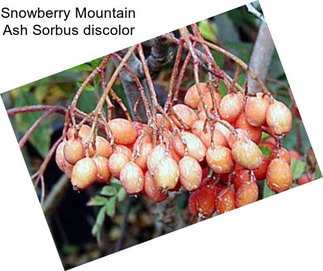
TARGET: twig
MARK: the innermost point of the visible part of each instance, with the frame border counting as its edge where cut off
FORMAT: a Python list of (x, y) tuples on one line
[(174, 76), (36, 124), (236, 59), (98, 108), (36, 108), (87, 81), (136, 85), (40, 172)]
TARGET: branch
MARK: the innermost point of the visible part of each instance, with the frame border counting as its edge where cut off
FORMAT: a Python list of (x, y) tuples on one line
[(158, 58), (128, 83), (261, 57), (36, 108), (55, 195), (36, 124)]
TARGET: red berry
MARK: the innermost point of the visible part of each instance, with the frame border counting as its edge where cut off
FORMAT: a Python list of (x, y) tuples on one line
[(83, 133), (279, 118), (241, 176), (160, 119), (166, 173), (260, 172), (246, 193), (153, 159), (253, 133), (246, 153), (102, 165), (208, 101), (190, 173), (224, 130), (144, 150), (152, 190), (132, 178), (195, 147), (59, 156), (116, 162), (123, 149), (74, 150), (84, 173), (279, 175), (192, 97), (231, 106), (225, 200), (205, 136), (185, 114), (202, 201), (219, 159), (256, 109), (102, 147), (123, 131)]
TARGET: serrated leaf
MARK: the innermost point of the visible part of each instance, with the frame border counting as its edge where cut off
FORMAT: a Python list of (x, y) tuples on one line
[(97, 201), (111, 206), (109, 190), (266, 151), (267, 192), (208, 30), (298, 168), (40, 138), (97, 227), (122, 194)]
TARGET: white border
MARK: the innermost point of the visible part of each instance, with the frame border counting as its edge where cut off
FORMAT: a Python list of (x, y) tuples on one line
[(283, 232)]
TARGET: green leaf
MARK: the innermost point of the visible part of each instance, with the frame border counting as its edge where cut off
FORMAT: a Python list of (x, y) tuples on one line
[(241, 79), (109, 190), (298, 168), (40, 138), (97, 227), (264, 136), (114, 181), (222, 89), (122, 194), (266, 151), (97, 201), (111, 206), (87, 101), (219, 59), (122, 95), (181, 200), (318, 173), (70, 249), (208, 30), (267, 192)]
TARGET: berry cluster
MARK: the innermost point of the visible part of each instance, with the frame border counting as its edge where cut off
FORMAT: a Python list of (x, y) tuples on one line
[(211, 147)]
